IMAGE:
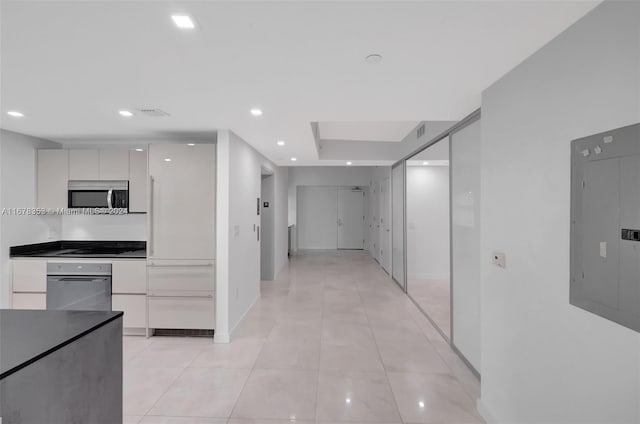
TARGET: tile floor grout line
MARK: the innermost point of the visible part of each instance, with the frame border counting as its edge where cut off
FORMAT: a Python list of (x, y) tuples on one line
[(384, 366), (253, 367)]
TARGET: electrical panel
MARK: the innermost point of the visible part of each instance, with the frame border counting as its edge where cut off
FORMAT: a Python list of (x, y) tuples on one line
[(605, 225)]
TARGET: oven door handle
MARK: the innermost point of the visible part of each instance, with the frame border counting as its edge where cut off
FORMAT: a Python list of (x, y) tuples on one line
[(109, 199), (79, 279)]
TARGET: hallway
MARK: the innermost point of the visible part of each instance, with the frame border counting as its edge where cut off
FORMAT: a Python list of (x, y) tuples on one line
[(332, 340)]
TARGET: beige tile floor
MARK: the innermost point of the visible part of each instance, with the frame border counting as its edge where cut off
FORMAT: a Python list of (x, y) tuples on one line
[(434, 297), (332, 340)]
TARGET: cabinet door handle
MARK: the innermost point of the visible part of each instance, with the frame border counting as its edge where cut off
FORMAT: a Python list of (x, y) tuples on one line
[(151, 188), (109, 196), (209, 296), (153, 264)]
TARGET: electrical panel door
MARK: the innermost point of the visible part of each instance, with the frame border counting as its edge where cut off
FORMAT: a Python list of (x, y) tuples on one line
[(605, 220)]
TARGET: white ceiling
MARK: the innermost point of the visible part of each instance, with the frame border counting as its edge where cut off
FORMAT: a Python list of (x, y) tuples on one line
[(70, 66), (366, 131)]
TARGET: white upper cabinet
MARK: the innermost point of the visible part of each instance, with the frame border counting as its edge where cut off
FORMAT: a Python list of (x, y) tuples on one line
[(84, 164), (91, 164), (138, 178), (114, 164), (182, 201), (53, 174)]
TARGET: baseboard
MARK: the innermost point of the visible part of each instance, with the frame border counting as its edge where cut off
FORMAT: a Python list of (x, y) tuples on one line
[(428, 276), (243, 316), (484, 412), (221, 337)]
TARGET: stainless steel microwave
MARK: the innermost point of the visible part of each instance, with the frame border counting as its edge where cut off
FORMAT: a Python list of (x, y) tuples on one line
[(106, 195)]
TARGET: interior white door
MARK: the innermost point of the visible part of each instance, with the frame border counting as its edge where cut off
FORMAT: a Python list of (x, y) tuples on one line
[(375, 220), (350, 219), (385, 225)]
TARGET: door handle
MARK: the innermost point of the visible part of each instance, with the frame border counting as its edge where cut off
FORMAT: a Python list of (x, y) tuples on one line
[(109, 201), (151, 187)]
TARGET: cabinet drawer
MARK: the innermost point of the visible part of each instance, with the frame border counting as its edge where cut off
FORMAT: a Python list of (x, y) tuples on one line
[(129, 277), (182, 312), (180, 277), (29, 301), (134, 307), (30, 276)]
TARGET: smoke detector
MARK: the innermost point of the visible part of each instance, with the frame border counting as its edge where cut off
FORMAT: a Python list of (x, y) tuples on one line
[(152, 112)]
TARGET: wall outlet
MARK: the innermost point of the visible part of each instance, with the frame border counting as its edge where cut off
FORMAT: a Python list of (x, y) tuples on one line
[(499, 259)]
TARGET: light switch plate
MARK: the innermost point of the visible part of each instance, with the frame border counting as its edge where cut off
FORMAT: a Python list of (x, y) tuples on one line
[(499, 259), (603, 249)]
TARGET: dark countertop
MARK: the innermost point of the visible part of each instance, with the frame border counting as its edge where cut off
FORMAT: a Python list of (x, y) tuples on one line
[(82, 249), (27, 336)]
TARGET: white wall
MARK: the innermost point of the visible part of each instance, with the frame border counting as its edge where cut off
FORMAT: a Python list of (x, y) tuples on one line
[(238, 262), (281, 220), (428, 222), (336, 176), (544, 360), (317, 216), (104, 227), (267, 242), (18, 190)]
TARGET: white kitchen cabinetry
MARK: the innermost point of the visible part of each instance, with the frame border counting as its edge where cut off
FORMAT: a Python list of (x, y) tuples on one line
[(181, 294), (134, 307), (53, 174), (30, 275), (29, 301), (84, 164), (181, 242), (129, 292), (129, 277), (182, 201), (114, 164), (174, 312), (138, 177), (29, 283)]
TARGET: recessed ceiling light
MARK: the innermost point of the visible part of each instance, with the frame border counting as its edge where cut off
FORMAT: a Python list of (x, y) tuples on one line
[(256, 112), (425, 163), (373, 58), (183, 21), (15, 114), (125, 113), (349, 163), (139, 150), (421, 404), (167, 159), (280, 143), (190, 144), (294, 159)]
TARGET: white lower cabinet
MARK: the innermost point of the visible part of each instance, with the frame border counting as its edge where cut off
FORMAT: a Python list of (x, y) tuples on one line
[(134, 307), (182, 312), (129, 276), (29, 301), (30, 275), (181, 294)]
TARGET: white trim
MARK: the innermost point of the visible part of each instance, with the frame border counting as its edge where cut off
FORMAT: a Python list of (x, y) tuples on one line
[(484, 412), (221, 337), (245, 314), (428, 277), (221, 334)]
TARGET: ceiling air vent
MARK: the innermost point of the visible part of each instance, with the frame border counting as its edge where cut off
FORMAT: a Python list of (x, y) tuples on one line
[(154, 113), (420, 131)]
